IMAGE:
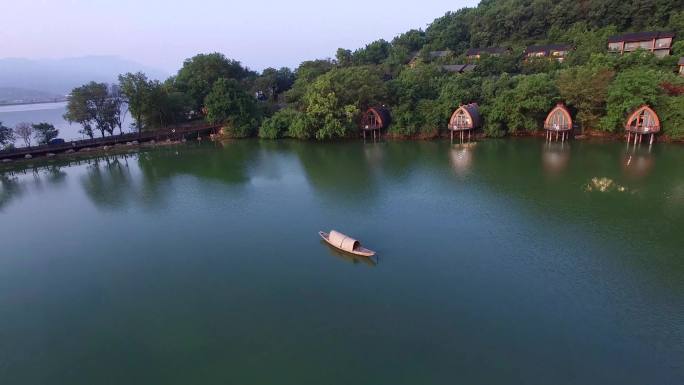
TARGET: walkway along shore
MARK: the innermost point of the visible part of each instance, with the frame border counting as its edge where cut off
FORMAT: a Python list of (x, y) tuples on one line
[(175, 133)]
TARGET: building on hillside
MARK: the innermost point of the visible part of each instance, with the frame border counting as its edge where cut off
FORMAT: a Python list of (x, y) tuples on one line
[(459, 68), (660, 43), (681, 66), (476, 53), (643, 121), (555, 51), (438, 54), (558, 123), (374, 120), (465, 118)]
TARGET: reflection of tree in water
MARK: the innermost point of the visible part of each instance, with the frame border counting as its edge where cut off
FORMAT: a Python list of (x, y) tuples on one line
[(108, 182), (10, 188), (338, 170), (226, 165)]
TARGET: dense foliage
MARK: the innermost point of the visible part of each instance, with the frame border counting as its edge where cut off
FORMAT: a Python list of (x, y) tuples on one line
[(324, 99)]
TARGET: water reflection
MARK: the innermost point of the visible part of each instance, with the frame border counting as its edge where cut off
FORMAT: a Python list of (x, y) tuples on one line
[(10, 188), (638, 163), (339, 171), (461, 156), (555, 157)]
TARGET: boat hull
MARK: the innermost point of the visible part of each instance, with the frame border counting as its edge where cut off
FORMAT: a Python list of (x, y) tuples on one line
[(358, 251)]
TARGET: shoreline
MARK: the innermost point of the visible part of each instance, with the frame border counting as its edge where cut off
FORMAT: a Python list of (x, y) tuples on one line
[(132, 147)]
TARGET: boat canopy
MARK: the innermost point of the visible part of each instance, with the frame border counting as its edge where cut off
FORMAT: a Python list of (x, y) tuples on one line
[(342, 241)]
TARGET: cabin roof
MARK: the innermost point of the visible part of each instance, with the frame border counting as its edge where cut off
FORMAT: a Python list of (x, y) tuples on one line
[(382, 112), (639, 36), (487, 50), (548, 47), (453, 67), (460, 68), (474, 111), (681, 61), (468, 68), (434, 54)]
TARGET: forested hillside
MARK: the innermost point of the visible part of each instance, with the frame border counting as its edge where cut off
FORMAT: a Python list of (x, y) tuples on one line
[(323, 99)]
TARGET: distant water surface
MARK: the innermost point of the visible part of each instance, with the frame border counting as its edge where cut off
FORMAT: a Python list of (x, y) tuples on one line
[(47, 112), (502, 262)]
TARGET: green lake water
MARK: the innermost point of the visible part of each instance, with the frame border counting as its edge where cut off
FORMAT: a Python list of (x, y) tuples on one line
[(503, 262)]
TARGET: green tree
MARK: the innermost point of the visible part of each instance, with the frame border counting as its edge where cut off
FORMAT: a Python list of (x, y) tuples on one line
[(334, 100), (45, 132), (305, 74), (228, 104), (278, 125), (274, 82), (343, 57), (586, 89), (630, 89), (197, 76), (373, 53), (137, 90), (93, 105)]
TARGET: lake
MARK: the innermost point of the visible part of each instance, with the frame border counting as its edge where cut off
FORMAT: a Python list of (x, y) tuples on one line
[(47, 112), (502, 262)]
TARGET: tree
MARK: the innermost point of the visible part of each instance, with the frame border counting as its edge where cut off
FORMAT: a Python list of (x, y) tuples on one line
[(586, 89), (198, 74), (305, 74), (343, 57), (373, 53), (333, 101), (136, 89), (630, 89), (6, 135), (273, 82), (44, 132), (278, 125), (228, 104), (94, 105), (24, 131)]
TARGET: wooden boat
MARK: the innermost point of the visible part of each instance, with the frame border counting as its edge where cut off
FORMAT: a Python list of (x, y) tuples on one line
[(345, 243)]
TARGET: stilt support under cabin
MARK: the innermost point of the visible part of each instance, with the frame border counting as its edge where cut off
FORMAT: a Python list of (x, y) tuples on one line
[(461, 135)]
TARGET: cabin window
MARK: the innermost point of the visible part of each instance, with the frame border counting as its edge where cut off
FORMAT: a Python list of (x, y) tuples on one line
[(614, 46), (461, 120), (372, 121), (558, 120), (644, 120), (664, 42), (631, 46), (681, 70)]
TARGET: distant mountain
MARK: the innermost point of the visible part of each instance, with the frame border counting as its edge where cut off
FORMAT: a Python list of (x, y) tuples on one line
[(60, 76)]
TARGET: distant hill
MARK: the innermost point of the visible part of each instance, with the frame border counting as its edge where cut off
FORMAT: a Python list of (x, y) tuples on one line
[(50, 77)]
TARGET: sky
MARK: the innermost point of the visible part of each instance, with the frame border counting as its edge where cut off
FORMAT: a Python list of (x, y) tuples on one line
[(162, 33)]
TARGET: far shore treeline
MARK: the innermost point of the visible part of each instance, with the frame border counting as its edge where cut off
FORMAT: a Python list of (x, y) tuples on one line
[(324, 99)]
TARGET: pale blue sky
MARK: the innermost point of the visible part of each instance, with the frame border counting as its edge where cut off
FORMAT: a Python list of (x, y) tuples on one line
[(161, 33)]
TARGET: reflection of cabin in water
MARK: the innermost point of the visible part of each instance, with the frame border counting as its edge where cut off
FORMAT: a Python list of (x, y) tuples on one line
[(660, 43), (558, 122), (643, 121), (465, 119), (375, 119)]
